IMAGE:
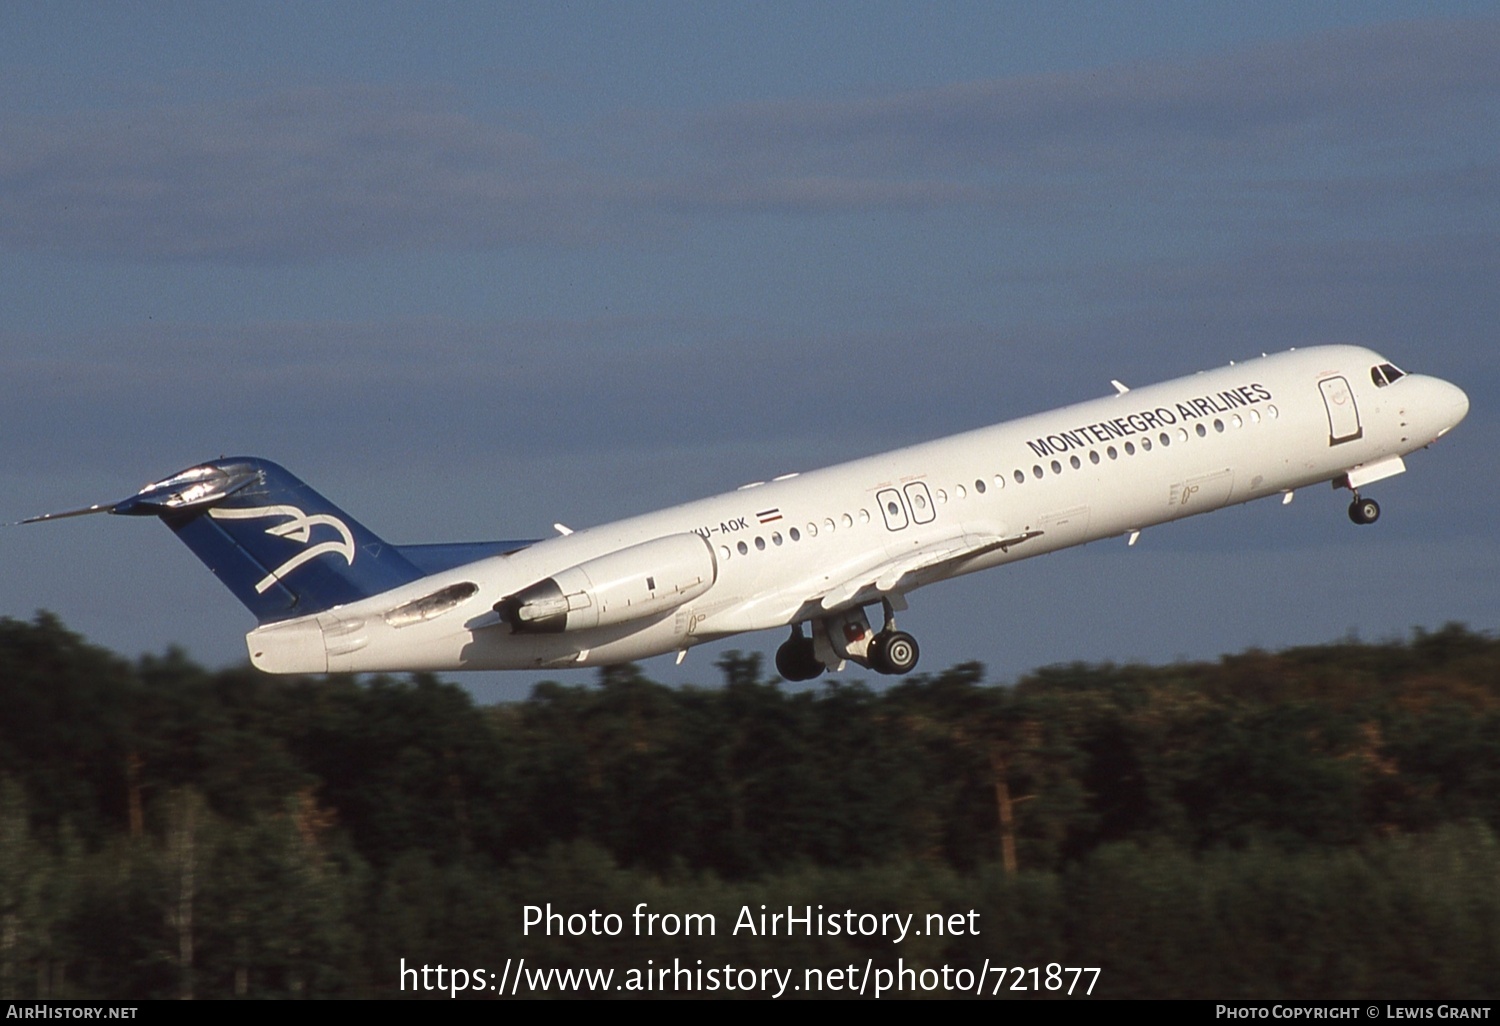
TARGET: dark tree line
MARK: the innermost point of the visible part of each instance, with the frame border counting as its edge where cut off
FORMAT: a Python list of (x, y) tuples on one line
[(1314, 822)]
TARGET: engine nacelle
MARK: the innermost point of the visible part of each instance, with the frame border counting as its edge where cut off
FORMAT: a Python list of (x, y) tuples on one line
[(643, 580)]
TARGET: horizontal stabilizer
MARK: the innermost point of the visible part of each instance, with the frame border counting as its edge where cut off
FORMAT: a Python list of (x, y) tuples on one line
[(196, 487), (283, 550), (107, 507)]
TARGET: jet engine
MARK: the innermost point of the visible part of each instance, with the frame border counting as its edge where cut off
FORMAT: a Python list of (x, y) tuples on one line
[(643, 580)]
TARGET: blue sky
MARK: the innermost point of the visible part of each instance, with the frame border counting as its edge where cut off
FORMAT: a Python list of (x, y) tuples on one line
[(471, 269)]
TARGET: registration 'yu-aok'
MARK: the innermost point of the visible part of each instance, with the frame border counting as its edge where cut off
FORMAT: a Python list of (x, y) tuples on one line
[(814, 551)]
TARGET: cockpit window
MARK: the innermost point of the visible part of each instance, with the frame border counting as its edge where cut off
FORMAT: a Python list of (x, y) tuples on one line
[(1386, 373)]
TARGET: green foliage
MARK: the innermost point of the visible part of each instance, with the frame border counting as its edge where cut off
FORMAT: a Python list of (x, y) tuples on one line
[(1315, 822)]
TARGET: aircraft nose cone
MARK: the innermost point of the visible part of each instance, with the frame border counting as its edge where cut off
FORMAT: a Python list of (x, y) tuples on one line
[(1450, 404), (1460, 403)]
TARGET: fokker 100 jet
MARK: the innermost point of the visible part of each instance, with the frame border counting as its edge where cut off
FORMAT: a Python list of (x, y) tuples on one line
[(814, 552)]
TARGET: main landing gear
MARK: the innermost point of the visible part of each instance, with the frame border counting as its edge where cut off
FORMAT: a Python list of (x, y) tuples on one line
[(893, 652), (1364, 511), (844, 636), (796, 659)]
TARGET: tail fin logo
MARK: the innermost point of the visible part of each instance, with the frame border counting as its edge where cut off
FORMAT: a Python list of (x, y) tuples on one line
[(298, 528)]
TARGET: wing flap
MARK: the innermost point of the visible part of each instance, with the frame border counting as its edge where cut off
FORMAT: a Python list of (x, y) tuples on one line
[(860, 582), (888, 577)]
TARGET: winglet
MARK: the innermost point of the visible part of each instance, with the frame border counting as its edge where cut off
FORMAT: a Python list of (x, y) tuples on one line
[(1121, 389)]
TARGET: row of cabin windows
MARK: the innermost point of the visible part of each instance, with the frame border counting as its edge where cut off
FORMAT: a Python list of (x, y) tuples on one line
[(796, 534), (1130, 448), (1145, 444)]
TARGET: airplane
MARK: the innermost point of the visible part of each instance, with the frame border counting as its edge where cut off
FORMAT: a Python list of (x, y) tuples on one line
[(812, 552)]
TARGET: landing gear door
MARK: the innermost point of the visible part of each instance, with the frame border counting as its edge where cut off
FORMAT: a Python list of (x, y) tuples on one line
[(922, 510), (1343, 414), (891, 508)]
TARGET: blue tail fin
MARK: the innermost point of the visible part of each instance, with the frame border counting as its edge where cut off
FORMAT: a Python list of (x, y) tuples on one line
[(283, 549)]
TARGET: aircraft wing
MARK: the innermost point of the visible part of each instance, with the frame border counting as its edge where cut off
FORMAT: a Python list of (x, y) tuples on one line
[(867, 580), (899, 574)]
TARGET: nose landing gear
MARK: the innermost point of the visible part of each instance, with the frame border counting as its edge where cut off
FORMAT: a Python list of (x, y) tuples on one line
[(1364, 511)]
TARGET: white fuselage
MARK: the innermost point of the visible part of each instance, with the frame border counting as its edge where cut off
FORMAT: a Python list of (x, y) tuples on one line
[(798, 548)]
